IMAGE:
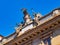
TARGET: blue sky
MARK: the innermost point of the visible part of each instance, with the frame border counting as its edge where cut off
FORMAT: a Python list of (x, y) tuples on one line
[(10, 12)]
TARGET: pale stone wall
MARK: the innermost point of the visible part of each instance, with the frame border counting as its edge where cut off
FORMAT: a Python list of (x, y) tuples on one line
[(56, 38)]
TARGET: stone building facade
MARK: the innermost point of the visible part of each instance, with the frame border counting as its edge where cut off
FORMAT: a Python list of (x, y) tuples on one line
[(42, 30)]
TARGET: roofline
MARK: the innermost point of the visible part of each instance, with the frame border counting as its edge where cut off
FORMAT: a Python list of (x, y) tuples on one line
[(32, 22)]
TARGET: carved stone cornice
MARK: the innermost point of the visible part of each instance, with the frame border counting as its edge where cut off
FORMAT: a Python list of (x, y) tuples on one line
[(42, 31)]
